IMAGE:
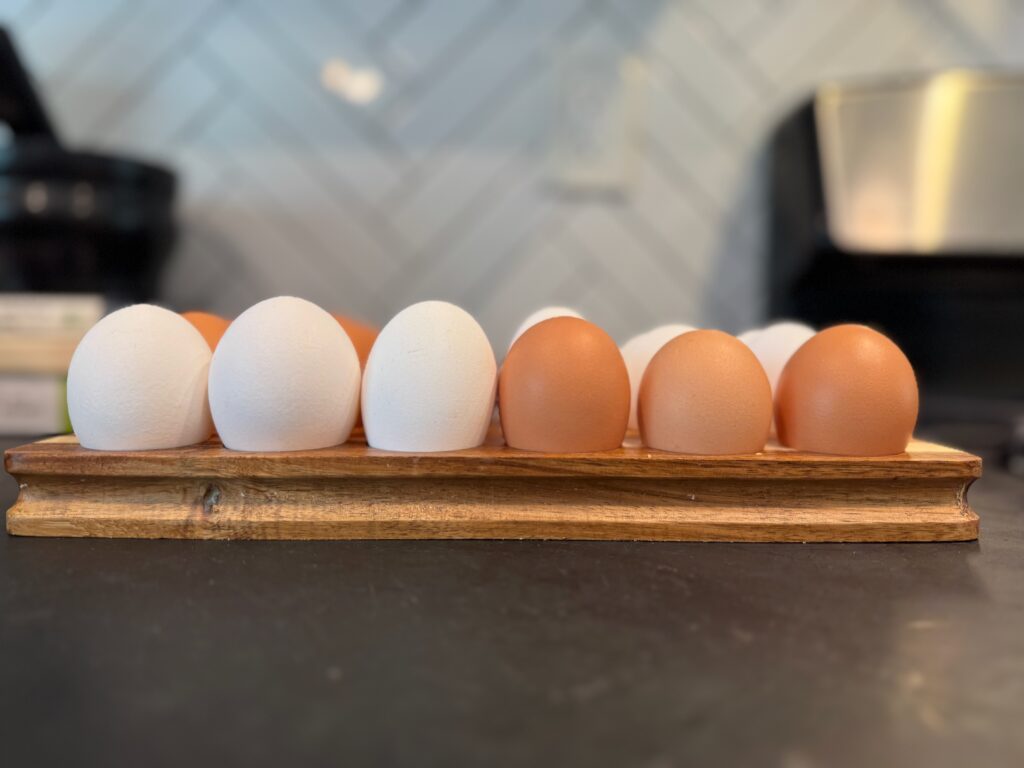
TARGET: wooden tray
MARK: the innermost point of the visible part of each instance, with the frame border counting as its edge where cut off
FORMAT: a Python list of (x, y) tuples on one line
[(492, 492)]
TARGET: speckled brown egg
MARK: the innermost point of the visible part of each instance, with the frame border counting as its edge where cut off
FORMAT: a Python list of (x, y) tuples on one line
[(705, 393), (563, 388), (849, 390)]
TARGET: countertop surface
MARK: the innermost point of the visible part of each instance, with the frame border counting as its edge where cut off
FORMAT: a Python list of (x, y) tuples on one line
[(494, 653)]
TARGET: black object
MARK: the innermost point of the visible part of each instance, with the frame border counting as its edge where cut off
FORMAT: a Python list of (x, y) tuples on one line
[(958, 316), (449, 653), (75, 221)]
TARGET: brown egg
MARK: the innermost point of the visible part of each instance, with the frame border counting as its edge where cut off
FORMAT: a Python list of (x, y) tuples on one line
[(362, 336), (211, 326), (849, 390), (563, 388), (705, 392)]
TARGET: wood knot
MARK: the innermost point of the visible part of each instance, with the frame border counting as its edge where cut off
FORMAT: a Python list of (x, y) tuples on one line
[(210, 498)]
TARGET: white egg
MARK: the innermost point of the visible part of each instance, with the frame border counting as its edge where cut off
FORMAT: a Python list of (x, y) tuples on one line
[(638, 351), (546, 313), (137, 381), (430, 381), (747, 336), (285, 377), (775, 344)]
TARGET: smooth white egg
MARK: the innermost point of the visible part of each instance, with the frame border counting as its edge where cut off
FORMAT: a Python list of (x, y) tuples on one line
[(430, 381), (545, 313), (638, 351), (285, 377), (137, 381), (775, 344)]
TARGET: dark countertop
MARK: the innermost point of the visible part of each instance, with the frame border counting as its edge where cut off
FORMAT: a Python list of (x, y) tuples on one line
[(446, 653)]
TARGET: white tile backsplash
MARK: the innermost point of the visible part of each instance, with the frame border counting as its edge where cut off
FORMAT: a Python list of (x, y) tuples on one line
[(452, 184)]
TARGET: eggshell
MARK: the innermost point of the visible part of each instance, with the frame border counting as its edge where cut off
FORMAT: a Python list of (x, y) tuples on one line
[(361, 334), (705, 393), (747, 336), (539, 316), (284, 377), (137, 381), (429, 383), (849, 390), (775, 344), (564, 388), (638, 351), (212, 327)]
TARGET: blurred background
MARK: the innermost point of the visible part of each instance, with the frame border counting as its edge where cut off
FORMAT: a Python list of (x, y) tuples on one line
[(644, 161)]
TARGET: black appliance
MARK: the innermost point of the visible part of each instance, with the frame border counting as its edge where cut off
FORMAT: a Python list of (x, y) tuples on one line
[(75, 221)]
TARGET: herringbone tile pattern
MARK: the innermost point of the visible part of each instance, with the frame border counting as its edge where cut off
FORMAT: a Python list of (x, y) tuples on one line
[(449, 184)]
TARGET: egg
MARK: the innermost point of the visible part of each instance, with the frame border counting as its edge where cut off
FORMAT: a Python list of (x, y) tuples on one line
[(361, 334), (705, 393), (850, 391), (775, 344), (539, 316), (429, 382), (362, 337), (212, 327), (564, 388), (137, 381), (284, 377), (638, 351), (747, 336)]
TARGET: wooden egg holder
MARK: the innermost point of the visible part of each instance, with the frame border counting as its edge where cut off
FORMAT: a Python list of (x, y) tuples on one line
[(492, 492)]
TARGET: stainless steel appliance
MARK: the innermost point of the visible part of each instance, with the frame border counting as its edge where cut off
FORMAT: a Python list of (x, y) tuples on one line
[(899, 204)]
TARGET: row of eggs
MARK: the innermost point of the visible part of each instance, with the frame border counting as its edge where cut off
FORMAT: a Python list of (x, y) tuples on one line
[(287, 375)]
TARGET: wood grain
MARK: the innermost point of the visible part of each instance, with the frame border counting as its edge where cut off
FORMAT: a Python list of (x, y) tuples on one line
[(355, 492)]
